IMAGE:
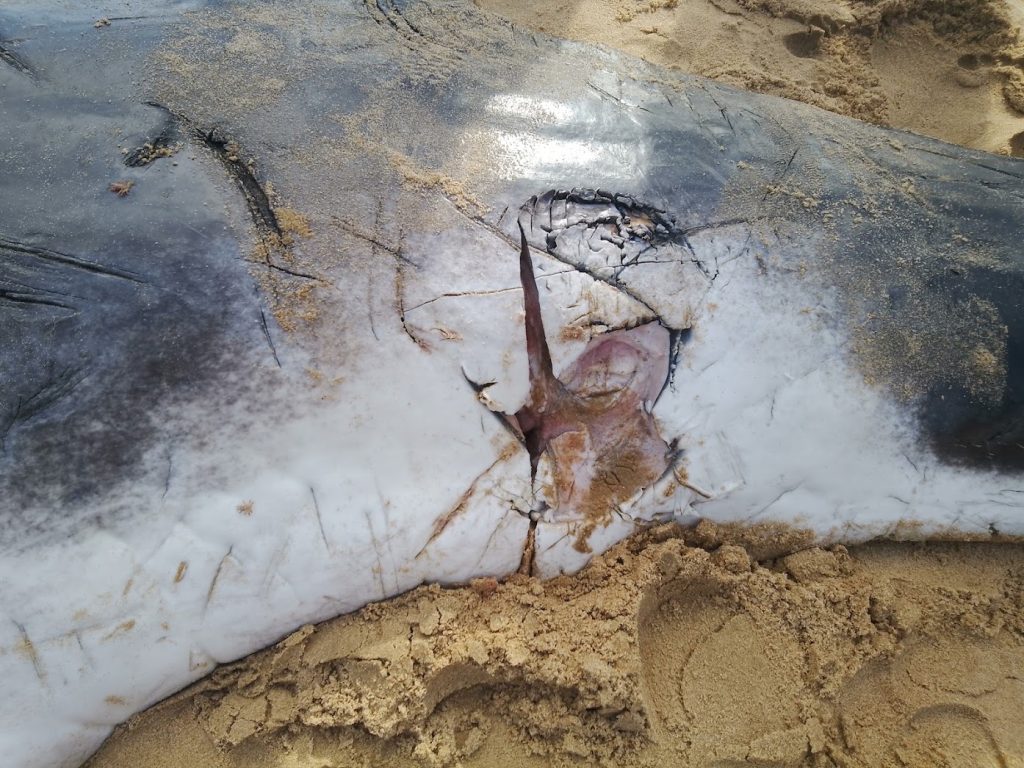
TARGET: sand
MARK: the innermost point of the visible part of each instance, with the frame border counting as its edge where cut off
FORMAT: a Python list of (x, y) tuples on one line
[(950, 70), (706, 647)]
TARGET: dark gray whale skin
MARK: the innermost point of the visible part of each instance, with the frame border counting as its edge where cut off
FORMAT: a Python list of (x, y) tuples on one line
[(108, 306), (112, 308)]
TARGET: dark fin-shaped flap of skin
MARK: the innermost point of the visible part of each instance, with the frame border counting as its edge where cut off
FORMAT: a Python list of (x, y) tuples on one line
[(544, 387), (537, 352)]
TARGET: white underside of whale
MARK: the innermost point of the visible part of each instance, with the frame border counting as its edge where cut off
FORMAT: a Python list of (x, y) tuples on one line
[(292, 521)]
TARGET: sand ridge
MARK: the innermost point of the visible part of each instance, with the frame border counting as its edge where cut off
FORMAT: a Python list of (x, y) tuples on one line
[(674, 648)]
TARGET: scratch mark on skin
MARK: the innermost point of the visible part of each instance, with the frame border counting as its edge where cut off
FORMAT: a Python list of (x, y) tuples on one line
[(409, 34), (352, 229), (582, 269), (167, 477), (502, 524), (385, 506), (28, 649), (712, 225), (12, 59), (773, 502), (974, 163), (911, 463), (85, 654), (400, 308), (369, 306), (460, 506), (65, 259), (319, 520), (30, 299), (778, 180), (721, 109), (275, 562), (557, 541), (376, 549), (60, 387), (400, 259), (216, 577), (283, 270), (605, 94), (491, 292), (455, 294), (266, 335)]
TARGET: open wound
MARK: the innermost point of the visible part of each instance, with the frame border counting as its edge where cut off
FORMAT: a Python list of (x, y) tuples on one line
[(592, 440)]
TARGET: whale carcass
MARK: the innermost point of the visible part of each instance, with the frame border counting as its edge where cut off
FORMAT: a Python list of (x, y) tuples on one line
[(268, 354)]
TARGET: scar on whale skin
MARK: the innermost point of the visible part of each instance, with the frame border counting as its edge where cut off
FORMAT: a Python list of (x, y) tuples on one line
[(594, 423)]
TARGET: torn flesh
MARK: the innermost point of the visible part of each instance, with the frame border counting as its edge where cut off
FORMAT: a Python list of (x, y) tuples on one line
[(593, 425)]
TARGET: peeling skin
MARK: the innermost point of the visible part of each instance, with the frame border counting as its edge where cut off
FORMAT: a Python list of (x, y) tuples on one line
[(594, 424)]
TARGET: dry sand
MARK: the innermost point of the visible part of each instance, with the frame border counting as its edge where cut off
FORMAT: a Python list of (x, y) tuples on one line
[(951, 70), (708, 647), (677, 648)]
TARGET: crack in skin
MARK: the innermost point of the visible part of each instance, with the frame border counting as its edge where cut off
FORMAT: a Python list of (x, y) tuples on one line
[(61, 386), (274, 244), (595, 219), (161, 145), (273, 239)]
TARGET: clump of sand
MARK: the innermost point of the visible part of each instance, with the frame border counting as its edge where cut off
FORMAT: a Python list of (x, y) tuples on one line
[(954, 71), (674, 648)]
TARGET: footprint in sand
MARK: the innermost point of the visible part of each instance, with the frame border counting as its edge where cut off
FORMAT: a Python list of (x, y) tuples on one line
[(732, 687), (950, 736), (937, 704)]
